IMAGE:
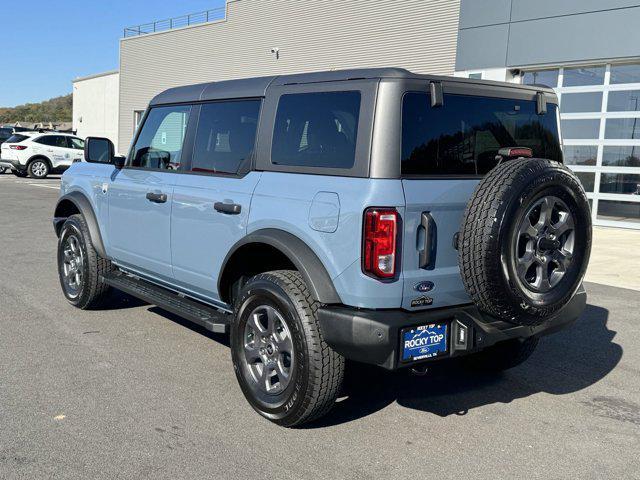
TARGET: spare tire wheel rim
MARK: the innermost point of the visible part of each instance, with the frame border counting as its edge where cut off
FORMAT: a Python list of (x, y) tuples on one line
[(543, 248)]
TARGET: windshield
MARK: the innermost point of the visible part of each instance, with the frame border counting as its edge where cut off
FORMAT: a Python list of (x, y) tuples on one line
[(463, 136)]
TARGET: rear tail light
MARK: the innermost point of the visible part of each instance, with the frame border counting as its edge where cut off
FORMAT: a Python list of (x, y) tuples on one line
[(515, 152), (380, 242), (17, 147)]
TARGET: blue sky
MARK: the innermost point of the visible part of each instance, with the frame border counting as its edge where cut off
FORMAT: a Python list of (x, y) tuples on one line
[(47, 44)]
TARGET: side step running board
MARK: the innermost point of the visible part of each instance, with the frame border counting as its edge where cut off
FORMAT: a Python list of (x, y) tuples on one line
[(208, 317)]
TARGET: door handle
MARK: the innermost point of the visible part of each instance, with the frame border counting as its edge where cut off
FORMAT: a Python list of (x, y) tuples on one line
[(228, 208), (428, 252), (157, 197)]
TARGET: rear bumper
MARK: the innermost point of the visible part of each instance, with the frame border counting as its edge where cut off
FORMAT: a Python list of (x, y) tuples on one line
[(373, 336)]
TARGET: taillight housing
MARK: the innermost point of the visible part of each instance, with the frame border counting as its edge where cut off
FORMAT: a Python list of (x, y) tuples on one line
[(18, 147), (380, 242)]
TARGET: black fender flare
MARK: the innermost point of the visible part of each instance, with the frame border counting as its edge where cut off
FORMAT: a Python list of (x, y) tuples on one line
[(82, 204), (300, 254)]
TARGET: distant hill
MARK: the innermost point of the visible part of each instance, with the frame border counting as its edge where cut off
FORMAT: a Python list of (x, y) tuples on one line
[(56, 110)]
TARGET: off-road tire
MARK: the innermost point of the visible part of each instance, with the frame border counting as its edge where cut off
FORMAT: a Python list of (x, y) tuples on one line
[(502, 356), (490, 226), (318, 371), (93, 291), (38, 168)]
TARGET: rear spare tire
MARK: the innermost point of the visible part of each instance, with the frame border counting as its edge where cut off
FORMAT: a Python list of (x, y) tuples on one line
[(525, 240)]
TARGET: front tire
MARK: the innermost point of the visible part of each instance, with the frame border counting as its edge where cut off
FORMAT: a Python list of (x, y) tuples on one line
[(286, 371), (38, 168), (80, 268)]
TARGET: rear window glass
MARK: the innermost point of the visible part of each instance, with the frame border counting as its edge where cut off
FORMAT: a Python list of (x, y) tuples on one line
[(464, 135), (15, 138), (226, 136), (317, 130)]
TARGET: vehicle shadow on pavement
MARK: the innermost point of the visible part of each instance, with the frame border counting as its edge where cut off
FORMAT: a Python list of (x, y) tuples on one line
[(118, 300), (566, 362), (216, 337)]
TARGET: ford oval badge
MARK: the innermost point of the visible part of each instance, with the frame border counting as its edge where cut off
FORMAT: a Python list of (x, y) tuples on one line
[(423, 287)]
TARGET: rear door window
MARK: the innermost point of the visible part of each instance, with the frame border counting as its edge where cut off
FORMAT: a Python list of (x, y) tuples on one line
[(463, 136), (317, 130), (53, 141), (226, 136)]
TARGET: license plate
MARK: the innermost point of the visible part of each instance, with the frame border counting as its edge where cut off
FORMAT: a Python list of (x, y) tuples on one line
[(426, 341)]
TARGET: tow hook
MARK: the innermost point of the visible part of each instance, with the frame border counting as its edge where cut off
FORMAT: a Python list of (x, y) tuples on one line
[(419, 371)]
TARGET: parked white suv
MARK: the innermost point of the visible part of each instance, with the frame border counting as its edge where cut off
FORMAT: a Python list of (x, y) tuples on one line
[(38, 154)]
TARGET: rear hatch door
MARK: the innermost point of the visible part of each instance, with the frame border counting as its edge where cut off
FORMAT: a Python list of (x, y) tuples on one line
[(446, 149)]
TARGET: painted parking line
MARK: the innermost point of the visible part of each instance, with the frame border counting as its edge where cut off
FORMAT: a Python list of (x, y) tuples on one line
[(41, 185)]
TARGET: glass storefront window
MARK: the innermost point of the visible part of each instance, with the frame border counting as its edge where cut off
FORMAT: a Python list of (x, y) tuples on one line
[(624, 101), (621, 157), (619, 211), (541, 77), (608, 167), (622, 128), (587, 179), (580, 154), (580, 129), (621, 183), (625, 74), (578, 77), (581, 102)]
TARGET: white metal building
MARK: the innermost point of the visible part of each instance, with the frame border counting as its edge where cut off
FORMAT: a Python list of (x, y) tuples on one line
[(96, 101)]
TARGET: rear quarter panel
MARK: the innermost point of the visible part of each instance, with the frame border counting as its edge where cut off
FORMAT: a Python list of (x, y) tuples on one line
[(325, 212)]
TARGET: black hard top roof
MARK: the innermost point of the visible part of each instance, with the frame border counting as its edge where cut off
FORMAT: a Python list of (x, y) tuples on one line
[(257, 87)]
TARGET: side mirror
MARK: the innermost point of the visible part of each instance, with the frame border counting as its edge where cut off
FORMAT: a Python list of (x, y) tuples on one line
[(100, 150)]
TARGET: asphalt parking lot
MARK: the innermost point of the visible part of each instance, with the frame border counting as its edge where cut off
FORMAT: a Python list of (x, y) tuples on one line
[(133, 392)]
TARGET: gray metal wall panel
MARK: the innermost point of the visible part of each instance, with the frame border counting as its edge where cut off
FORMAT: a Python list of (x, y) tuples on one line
[(575, 38), (476, 13), (530, 10), (482, 47), (419, 35)]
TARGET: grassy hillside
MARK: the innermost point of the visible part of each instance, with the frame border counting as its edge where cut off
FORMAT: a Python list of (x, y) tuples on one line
[(55, 110)]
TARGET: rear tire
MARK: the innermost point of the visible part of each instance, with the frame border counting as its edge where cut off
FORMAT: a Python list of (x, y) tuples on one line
[(286, 371), (38, 168), (502, 356), (80, 268)]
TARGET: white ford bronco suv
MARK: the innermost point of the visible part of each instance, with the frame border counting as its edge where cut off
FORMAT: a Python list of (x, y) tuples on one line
[(375, 216)]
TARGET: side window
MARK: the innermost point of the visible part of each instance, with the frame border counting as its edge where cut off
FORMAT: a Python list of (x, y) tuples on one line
[(226, 136), (53, 141), (317, 130), (48, 140), (159, 145), (76, 143)]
